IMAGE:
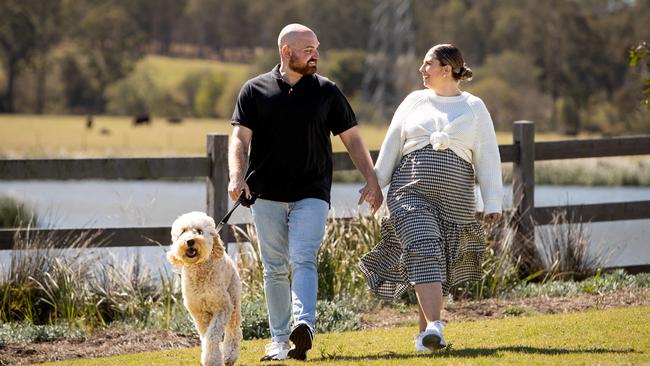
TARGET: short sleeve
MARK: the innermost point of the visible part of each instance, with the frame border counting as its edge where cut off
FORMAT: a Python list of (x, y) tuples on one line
[(340, 117), (244, 113)]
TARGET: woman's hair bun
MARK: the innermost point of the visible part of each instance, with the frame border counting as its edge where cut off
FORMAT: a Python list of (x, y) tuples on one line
[(465, 73)]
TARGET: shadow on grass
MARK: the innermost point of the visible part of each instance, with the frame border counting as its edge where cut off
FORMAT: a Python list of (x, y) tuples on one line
[(476, 352)]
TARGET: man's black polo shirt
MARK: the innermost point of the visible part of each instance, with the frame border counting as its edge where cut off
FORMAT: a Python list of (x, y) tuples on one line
[(291, 151)]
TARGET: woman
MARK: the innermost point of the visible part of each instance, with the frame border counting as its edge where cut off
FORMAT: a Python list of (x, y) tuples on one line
[(440, 141)]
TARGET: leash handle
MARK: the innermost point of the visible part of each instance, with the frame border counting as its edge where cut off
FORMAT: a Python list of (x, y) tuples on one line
[(241, 200)]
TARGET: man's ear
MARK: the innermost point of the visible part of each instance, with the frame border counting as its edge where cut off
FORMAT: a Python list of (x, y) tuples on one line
[(285, 51)]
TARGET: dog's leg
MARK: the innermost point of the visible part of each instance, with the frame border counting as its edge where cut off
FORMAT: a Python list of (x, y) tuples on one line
[(201, 321), (210, 350), (233, 334)]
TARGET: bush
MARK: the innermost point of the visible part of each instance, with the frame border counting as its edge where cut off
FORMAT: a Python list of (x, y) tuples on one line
[(346, 68), (209, 90), (15, 214), (255, 321), (133, 95), (599, 283), (21, 333), (337, 316)]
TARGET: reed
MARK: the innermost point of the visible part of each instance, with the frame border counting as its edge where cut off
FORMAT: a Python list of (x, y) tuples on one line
[(14, 213), (44, 285)]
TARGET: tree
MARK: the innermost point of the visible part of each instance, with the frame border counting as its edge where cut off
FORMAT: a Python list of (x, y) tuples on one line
[(638, 54), (157, 19), (18, 42), (47, 21), (109, 43)]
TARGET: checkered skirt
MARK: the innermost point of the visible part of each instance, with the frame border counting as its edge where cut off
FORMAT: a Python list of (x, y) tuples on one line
[(431, 233)]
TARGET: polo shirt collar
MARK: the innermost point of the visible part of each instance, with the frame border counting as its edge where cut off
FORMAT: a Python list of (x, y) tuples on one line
[(276, 74)]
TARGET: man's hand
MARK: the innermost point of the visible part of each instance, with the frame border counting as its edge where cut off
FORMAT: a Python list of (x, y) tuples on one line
[(360, 156), (236, 186), (372, 194), (237, 157)]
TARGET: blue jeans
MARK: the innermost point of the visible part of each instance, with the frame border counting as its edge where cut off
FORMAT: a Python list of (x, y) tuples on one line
[(289, 235)]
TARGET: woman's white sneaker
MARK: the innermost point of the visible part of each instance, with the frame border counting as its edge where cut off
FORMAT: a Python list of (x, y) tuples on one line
[(419, 347), (432, 338)]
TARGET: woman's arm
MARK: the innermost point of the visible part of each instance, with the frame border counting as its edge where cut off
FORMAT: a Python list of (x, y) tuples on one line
[(487, 161), (391, 149)]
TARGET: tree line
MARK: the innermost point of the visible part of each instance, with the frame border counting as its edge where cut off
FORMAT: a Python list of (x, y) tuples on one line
[(562, 63)]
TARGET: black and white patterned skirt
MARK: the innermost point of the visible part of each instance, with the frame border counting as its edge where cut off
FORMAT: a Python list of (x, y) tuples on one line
[(431, 233)]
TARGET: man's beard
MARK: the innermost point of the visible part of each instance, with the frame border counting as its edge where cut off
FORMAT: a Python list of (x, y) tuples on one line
[(305, 69)]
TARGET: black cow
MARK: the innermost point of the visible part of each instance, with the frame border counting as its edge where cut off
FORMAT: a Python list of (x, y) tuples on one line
[(141, 120)]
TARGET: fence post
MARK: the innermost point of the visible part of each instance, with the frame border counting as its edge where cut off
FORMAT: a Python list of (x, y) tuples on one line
[(523, 185), (217, 181)]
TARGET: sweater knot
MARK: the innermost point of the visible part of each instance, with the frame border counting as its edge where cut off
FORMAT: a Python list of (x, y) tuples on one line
[(439, 140)]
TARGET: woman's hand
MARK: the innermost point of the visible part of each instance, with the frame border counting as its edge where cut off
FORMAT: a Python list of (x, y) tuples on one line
[(492, 218)]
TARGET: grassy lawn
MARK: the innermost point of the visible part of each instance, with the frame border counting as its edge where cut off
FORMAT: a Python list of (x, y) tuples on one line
[(50, 136), (168, 72), (607, 337)]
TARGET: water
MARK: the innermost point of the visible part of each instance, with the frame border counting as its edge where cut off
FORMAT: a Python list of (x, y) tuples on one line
[(86, 204)]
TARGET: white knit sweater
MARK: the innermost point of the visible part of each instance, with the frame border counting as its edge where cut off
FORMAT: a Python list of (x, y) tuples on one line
[(461, 123)]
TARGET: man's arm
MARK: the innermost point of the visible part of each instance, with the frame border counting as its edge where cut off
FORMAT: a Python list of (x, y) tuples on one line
[(237, 161), (360, 156)]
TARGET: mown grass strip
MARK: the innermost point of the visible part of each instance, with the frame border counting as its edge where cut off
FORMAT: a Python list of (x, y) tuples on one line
[(613, 337)]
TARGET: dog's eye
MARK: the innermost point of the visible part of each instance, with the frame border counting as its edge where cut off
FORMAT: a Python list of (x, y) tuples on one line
[(199, 231)]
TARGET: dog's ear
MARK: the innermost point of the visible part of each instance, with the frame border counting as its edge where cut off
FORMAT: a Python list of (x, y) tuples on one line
[(217, 247), (174, 260)]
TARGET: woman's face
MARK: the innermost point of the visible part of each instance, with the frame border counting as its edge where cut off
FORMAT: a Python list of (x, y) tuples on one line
[(432, 73)]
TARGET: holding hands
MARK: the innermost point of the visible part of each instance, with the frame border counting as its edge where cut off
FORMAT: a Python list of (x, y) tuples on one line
[(372, 194)]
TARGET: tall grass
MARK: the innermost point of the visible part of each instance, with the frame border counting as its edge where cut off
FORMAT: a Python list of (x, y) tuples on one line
[(37, 273), (563, 249), (45, 285), (612, 171), (14, 213)]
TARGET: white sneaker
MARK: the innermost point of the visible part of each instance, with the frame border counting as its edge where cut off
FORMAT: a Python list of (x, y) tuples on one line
[(432, 337), (276, 351), (419, 347)]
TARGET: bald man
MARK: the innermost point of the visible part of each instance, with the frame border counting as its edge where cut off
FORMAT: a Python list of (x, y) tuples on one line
[(286, 117)]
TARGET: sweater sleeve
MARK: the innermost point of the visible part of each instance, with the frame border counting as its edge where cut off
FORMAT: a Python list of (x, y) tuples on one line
[(391, 149), (487, 160)]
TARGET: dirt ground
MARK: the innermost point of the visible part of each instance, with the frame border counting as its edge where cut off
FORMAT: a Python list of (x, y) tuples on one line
[(119, 342)]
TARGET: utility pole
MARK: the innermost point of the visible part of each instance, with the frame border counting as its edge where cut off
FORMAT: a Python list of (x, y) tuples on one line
[(391, 66)]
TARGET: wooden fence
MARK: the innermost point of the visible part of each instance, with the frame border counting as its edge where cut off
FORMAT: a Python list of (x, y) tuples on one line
[(522, 153)]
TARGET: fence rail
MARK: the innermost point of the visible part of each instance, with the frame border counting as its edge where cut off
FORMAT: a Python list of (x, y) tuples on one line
[(123, 168), (522, 153)]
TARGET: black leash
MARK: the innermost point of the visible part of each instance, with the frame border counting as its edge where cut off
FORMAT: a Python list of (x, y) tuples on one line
[(241, 200)]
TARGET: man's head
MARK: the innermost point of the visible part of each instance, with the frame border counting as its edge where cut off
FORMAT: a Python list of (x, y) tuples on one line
[(298, 46)]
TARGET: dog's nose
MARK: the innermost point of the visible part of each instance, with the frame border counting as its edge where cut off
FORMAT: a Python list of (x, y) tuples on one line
[(190, 242)]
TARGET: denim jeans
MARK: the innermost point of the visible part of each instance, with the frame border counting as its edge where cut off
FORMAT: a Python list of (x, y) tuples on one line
[(289, 235)]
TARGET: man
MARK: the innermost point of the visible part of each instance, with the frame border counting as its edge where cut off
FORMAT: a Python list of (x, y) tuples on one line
[(286, 116)]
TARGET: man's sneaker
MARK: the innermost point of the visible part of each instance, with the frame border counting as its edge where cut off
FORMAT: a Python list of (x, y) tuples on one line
[(419, 347), (276, 351), (432, 337), (301, 336)]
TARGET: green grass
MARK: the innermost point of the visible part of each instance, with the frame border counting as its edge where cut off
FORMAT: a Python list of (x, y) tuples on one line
[(168, 72), (607, 337)]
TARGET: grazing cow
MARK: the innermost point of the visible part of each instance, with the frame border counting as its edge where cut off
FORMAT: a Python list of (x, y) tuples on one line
[(141, 119)]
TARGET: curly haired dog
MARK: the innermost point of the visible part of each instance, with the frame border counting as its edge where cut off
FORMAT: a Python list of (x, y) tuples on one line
[(211, 286)]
